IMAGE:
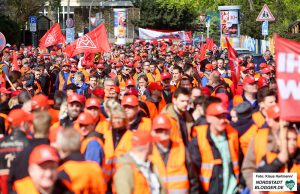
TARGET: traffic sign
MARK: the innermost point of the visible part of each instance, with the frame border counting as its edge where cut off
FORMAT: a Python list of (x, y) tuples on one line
[(265, 28), (69, 23), (32, 23), (265, 14), (2, 41)]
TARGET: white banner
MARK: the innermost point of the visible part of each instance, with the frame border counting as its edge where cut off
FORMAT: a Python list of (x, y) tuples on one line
[(151, 34)]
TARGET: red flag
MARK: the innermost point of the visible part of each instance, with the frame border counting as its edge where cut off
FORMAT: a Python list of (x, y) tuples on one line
[(202, 51), (15, 66), (52, 37), (89, 57), (92, 42), (288, 79), (209, 43), (233, 62)]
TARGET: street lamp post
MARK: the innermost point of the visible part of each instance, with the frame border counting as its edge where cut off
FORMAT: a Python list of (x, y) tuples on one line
[(90, 14), (202, 19)]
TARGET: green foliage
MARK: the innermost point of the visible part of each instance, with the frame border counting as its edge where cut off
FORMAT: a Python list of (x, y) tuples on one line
[(10, 29)]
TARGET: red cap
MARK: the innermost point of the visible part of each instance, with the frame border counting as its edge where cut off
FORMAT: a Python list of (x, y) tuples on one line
[(74, 69), (43, 153), (130, 100), (129, 64), (242, 68), (262, 82), (85, 118), (137, 65), (130, 82), (248, 80), (90, 64), (3, 90), (161, 121), (119, 64), (208, 67), (6, 50), (99, 92), (140, 138), (17, 116), (16, 93), (83, 63), (137, 58), (100, 66), (66, 63), (39, 101), (250, 65), (266, 70), (41, 55), (132, 91), (52, 53), (273, 112), (144, 54), (76, 98), (215, 109), (92, 102), (263, 65), (155, 86), (205, 91), (165, 75)]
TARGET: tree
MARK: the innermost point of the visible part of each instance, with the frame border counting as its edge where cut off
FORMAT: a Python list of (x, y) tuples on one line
[(10, 29)]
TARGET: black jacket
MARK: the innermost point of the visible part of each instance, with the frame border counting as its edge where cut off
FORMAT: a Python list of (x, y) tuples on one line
[(19, 168), (10, 146)]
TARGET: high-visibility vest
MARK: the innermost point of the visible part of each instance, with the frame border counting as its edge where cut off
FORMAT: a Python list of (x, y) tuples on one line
[(122, 83), (207, 158), (110, 154), (260, 144), (25, 186), (258, 119), (155, 77), (140, 184), (174, 174), (247, 137), (86, 179), (103, 126), (87, 140), (62, 81)]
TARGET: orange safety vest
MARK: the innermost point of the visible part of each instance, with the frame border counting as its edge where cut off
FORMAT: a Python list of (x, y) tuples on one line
[(87, 140), (214, 92), (258, 119), (174, 174), (260, 144), (110, 154), (247, 137), (122, 83), (103, 126), (86, 179), (54, 115), (140, 185), (155, 77), (62, 81), (152, 109), (207, 158), (25, 186)]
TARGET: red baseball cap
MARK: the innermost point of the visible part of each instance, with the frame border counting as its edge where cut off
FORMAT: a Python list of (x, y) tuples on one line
[(262, 82), (76, 98), (129, 64), (161, 121), (73, 69), (155, 86), (17, 116), (224, 98), (263, 65), (266, 70), (273, 112), (250, 65), (130, 100), (249, 80), (132, 91), (66, 63), (43, 153), (205, 91), (119, 64), (85, 118), (130, 82), (39, 101), (140, 138), (92, 102), (99, 92), (208, 67), (165, 75), (215, 109), (100, 66)]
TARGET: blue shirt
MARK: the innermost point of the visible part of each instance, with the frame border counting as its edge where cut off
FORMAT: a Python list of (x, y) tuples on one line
[(94, 152)]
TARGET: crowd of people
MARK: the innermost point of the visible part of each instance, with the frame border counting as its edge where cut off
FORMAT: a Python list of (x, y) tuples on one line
[(147, 117)]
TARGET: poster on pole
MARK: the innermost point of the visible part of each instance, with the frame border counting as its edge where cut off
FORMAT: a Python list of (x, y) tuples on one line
[(120, 25)]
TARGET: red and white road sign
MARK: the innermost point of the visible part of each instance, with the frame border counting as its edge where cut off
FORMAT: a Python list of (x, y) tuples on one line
[(265, 14)]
